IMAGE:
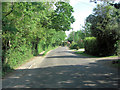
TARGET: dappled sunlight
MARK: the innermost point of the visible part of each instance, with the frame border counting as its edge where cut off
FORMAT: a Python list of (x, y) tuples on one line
[(102, 81), (19, 86), (109, 74), (32, 29), (65, 76), (15, 77), (88, 81), (90, 84), (65, 70), (68, 81)]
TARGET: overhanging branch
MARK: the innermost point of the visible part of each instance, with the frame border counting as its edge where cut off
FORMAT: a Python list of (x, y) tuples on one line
[(11, 10)]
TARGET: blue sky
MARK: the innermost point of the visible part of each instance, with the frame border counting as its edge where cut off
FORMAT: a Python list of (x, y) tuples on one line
[(82, 9)]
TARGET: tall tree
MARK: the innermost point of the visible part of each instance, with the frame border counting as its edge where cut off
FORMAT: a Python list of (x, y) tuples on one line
[(27, 30), (62, 16), (104, 26)]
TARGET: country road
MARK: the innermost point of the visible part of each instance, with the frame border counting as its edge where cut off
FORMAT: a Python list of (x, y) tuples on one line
[(62, 68)]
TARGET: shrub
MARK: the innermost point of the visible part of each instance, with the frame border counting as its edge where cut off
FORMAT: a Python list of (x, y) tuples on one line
[(80, 43), (74, 46), (15, 56), (118, 48), (90, 44)]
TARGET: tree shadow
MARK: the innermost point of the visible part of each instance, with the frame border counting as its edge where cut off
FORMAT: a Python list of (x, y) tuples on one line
[(72, 55), (92, 75), (6, 69), (73, 52), (68, 56)]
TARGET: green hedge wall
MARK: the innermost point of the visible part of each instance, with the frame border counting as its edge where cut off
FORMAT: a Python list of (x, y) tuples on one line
[(90, 44)]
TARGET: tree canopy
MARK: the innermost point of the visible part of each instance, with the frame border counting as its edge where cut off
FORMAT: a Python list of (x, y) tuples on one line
[(105, 27), (62, 17), (30, 27)]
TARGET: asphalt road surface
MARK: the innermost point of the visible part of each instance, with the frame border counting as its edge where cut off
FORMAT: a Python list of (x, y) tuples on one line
[(62, 68)]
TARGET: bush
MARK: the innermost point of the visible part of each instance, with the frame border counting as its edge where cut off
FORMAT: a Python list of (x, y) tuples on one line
[(96, 47), (118, 49), (90, 44), (74, 46), (80, 43), (16, 56)]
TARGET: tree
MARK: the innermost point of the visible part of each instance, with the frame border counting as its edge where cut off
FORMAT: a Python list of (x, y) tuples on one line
[(86, 29), (62, 16), (111, 2), (104, 26), (78, 37), (28, 30)]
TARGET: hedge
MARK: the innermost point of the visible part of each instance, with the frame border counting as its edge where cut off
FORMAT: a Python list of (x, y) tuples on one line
[(90, 44), (74, 46)]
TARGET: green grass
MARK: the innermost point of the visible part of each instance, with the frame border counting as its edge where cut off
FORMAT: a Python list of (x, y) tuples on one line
[(85, 54)]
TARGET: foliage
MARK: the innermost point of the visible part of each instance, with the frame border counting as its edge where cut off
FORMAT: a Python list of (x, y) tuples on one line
[(62, 16), (80, 43), (29, 28), (118, 48), (86, 30), (70, 37), (78, 38), (64, 43), (111, 2), (105, 27), (85, 54), (91, 46), (91, 56), (74, 46)]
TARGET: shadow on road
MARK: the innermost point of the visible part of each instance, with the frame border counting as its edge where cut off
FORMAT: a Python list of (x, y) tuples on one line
[(93, 75), (72, 55), (69, 56)]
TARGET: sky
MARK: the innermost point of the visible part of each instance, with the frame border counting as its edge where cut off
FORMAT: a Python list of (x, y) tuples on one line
[(82, 9)]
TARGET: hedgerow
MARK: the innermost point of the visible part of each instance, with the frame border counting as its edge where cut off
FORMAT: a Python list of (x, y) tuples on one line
[(29, 28), (91, 45)]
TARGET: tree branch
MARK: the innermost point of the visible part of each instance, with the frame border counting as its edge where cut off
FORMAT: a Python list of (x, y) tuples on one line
[(11, 10)]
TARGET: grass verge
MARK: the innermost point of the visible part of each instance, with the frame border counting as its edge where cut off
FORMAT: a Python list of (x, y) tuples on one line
[(8, 69), (85, 54)]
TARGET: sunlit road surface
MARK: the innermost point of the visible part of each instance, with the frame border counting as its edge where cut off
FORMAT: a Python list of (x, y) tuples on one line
[(61, 68)]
